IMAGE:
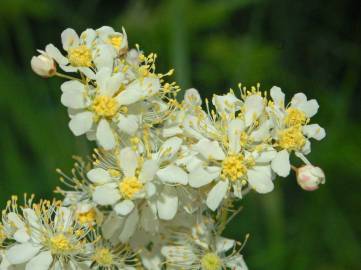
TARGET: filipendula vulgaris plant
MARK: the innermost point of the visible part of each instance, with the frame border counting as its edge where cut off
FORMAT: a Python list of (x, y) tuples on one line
[(166, 176)]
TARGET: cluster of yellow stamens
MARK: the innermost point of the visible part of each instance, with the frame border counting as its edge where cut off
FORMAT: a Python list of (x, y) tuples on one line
[(60, 244), (129, 186), (116, 41), (105, 106), (295, 117), (234, 167), (291, 138), (80, 56), (211, 261), (103, 257), (87, 217)]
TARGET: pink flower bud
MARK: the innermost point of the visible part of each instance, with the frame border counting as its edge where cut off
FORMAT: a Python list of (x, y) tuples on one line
[(43, 65), (310, 177)]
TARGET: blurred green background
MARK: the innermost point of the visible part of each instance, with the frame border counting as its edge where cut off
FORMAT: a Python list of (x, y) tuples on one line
[(311, 46)]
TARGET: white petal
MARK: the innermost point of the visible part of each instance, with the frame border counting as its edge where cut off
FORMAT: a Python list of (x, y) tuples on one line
[(54, 53), (235, 128), (128, 161), (170, 147), (253, 107), (73, 95), (314, 131), (259, 178), (89, 36), (104, 135), (216, 195), (224, 244), (281, 163), (262, 132), (209, 149), (106, 195), (128, 124), (226, 104), (310, 107), (99, 176), (298, 99), (137, 90), (81, 123), (88, 72), (278, 96), (130, 226), (167, 203), (21, 235), (173, 174), (265, 155), (15, 219), (148, 170), (192, 97), (69, 38), (40, 262), (21, 253), (102, 78), (201, 177), (104, 57), (124, 207)]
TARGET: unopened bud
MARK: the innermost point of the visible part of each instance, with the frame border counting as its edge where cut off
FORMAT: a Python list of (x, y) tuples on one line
[(310, 177), (43, 65)]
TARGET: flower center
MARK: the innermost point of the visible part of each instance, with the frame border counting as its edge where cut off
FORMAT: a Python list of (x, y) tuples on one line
[(105, 106), (87, 217), (130, 186), (59, 244), (115, 41), (103, 257), (234, 167), (80, 56), (295, 117), (211, 261), (291, 138)]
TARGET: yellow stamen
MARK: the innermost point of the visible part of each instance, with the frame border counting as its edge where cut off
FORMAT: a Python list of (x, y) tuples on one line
[(59, 244), (291, 138), (295, 117), (211, 261), (105, 106), (80, 56), (103, 257), (235, 166), (129, 187), (87, 217)]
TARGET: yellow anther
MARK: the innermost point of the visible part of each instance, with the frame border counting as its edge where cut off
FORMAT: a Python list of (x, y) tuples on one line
[(234, 167), (87, 217), (80, 56), (211, 261), (103, 257), (129, 186), (295, 117), (105, 106), (59, 244), (291, 138)]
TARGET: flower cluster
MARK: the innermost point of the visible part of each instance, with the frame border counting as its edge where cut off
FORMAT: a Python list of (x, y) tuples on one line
[(162, 183)]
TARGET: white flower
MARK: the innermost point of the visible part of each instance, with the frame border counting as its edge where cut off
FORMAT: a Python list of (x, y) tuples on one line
[(235, 164), (292, 130), (202, 252), (117, 41), (43, 65), (51, 237), (310, 177)]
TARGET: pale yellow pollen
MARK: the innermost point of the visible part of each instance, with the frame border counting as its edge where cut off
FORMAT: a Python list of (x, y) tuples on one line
[(129, 186), (211, 261), (295, 117), (80, 56), (2, 234), (105, 106), (291, 138), (114, 172), (234, 167), (59, 244), (87, 217), (103, 257), (115, 41)]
